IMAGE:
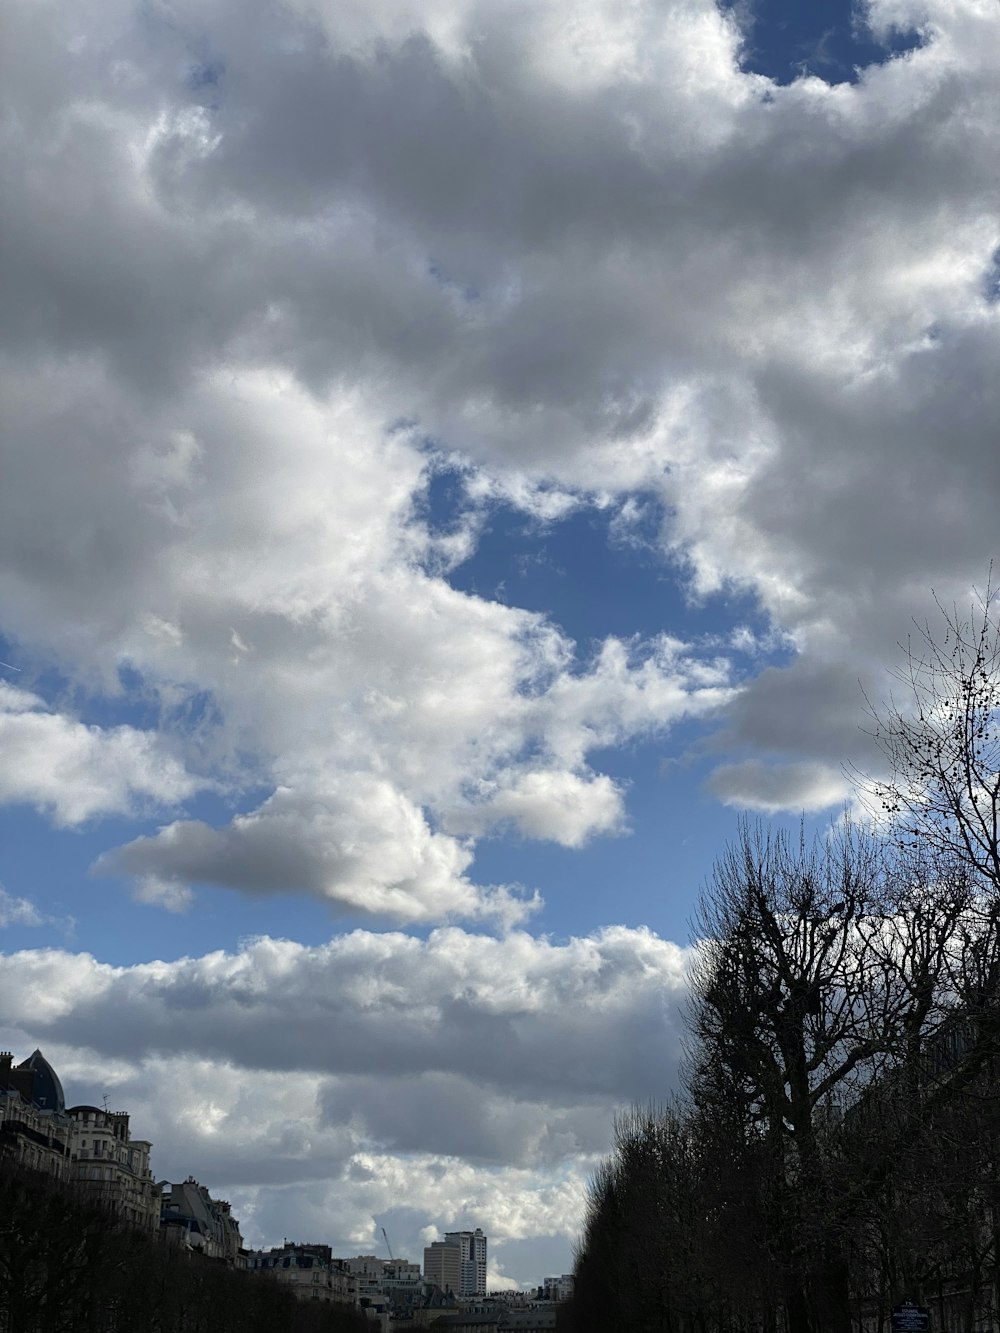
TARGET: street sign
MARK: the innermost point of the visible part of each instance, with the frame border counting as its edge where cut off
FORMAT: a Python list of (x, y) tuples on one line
[(910, 1318)]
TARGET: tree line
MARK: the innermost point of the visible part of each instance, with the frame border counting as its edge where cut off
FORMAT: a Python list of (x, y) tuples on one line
[(835, 1145), (68, 1266)]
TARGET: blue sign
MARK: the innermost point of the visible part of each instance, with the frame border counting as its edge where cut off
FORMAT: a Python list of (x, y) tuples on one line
[(910, 1318)]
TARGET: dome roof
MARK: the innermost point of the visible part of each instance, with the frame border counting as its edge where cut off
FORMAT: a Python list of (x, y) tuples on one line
[(47, 1093)]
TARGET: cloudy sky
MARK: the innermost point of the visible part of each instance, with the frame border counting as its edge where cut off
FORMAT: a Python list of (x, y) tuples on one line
[(457, 455)]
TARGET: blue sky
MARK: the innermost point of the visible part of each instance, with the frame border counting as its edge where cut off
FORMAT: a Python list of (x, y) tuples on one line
[(577, 573), (459, 458), (827, 38)]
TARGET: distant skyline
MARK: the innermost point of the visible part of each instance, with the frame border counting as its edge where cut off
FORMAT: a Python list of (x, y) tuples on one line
[(458, 455)]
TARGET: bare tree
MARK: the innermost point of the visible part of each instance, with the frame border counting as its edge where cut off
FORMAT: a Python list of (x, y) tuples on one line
[(840, 1145), (942, 795), (823, 967), (942, 740)]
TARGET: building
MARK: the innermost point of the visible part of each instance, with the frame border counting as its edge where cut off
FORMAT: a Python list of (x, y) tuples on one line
[(401, 1282), (458, 1263), (82, 1145), (396, 1280), (367, 1272), (35, 1130), (111, 1167), (533, 1319), (472, 1246), (196, 1221), (429, 1302), (557, 1288), (310, 1271), (468, 1321), (443, 1266)]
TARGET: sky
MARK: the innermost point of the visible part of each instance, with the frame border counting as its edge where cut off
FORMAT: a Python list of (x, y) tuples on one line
[(457, 457)]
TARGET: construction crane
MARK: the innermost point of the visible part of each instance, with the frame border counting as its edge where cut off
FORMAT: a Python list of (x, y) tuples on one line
[(387, 1245)]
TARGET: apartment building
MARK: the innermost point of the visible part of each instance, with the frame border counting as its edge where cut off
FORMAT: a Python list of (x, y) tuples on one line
[(310, 1271), (112, 1167), (84, 1146), (35, 1130), (196, 1221)]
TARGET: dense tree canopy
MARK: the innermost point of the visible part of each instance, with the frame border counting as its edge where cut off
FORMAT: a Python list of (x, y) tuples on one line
[(66, 1266)]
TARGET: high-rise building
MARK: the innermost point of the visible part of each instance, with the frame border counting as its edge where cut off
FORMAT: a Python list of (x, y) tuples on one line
[(472, 1250), (443, 1266)]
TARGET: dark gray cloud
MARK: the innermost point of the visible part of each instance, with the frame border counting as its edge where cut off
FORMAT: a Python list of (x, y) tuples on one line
[(448, 1114)]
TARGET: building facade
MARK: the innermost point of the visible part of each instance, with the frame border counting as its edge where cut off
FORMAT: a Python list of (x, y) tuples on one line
[(443, 1266), (395, 1280), (190, 1216), (81, 1146), (472, 1247), (458, 1263), (310, 1271), (557, 1288), (35, 1130), (111, 1167)]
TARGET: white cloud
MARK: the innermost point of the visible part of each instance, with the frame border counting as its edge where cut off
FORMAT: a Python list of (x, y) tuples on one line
[(18, 911), (170, 894), (219, 313), (770, 789), (458, 1078), (565, 807), (359, 844), (282, 577), (77, 772), (519, 1013), (577, 251), (497, 1279)]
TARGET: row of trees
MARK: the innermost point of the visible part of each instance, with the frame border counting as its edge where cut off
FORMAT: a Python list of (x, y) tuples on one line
[(836, 1145), (66, 1266)]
